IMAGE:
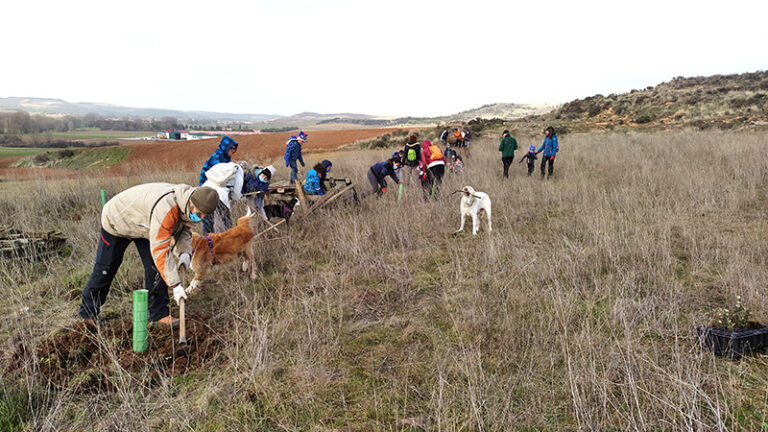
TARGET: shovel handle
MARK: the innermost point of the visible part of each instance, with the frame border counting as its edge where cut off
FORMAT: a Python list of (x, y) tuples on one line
[(182, 321)]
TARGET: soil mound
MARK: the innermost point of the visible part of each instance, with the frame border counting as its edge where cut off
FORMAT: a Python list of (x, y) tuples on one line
[(91, 358)]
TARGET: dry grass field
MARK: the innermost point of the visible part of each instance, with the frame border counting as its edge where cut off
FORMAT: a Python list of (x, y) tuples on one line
[(577, 313)]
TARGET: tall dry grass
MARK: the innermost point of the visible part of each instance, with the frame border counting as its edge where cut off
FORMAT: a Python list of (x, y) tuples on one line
[(576, 313)]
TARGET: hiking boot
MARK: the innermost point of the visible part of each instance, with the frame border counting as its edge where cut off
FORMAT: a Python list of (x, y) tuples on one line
[(168, 320)]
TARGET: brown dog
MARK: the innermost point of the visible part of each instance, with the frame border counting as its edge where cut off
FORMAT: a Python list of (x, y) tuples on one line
[(227, 246)]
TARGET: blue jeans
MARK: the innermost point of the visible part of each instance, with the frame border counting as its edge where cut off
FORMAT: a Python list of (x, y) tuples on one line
[(294, 171)]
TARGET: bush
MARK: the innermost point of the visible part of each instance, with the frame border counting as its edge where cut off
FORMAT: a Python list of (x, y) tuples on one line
[(645, 118), (732, 319), (41, 158)]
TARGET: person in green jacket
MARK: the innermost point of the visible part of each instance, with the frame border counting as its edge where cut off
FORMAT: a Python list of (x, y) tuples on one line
[(507, 148)]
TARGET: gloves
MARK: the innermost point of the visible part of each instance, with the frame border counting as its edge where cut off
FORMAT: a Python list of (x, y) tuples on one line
[(383, 190), (178, 293), (400, 182), (552, 158), (184, 260)]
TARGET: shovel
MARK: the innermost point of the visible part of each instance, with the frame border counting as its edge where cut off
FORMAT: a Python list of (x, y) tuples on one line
[(182, 322)]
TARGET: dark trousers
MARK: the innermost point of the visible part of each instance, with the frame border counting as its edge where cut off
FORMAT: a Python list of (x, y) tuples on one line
[(438, 171), (507, 161), (544, 161), (223, 214), (109, 256), (531, 167)]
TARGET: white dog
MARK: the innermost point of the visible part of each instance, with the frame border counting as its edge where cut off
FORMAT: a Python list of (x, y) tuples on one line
[(473, 203)]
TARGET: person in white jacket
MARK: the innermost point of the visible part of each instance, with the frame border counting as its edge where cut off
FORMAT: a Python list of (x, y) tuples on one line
[(227, 180)]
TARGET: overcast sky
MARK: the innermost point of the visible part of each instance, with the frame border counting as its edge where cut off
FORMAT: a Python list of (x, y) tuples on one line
[(391, 57)]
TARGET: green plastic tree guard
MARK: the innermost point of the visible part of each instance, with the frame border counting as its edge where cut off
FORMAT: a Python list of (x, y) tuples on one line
[(140, 320), (103, 197)]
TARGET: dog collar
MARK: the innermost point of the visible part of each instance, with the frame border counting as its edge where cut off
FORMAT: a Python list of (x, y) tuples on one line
[(209, 239)]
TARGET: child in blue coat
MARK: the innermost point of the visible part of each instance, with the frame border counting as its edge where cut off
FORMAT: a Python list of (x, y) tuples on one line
[(293, 153)]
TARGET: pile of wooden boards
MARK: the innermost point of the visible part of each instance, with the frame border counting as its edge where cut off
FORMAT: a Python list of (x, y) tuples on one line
[(31, 245)]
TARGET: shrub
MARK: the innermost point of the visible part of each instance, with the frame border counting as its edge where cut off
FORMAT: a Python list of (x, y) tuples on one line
[(732, 319), (41, 158)]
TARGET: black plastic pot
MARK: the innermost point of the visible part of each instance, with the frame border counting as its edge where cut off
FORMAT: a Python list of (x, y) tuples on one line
[(733, 343)]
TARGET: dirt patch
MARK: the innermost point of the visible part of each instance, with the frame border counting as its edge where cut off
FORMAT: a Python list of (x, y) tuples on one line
[(191, 155), (259, 147), (91, 358)]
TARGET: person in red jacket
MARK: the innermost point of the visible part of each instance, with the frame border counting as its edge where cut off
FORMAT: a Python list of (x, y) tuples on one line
[(432, 158)]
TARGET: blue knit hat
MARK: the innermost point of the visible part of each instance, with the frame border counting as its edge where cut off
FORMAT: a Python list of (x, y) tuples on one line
[(327, 164), (531, 149), (302, 136)]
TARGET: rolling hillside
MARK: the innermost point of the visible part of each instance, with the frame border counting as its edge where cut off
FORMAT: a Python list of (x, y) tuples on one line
[(718, 101)]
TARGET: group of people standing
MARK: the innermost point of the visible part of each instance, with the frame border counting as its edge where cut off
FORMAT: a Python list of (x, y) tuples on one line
[(549, 148)]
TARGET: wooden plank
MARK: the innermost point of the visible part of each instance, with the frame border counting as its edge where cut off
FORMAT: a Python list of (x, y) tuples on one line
[(330, 200), (302, 199)]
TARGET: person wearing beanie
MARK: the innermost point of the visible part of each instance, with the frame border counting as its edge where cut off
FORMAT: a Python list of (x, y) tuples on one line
[(223, 153), (256, 185), (158, 219), (507, 147), (293, 153)]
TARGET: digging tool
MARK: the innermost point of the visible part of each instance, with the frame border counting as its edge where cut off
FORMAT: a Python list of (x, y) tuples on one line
[(182, 321)]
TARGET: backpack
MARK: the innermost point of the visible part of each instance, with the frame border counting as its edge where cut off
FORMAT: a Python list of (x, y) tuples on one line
[(411, 155), (435, 152)]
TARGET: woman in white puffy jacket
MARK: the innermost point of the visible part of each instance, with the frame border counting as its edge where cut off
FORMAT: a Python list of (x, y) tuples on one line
[(227, 179)]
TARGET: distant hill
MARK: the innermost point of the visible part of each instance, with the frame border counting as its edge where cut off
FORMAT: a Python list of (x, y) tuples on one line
[(61, 107), (303, 119), (719, 101), (496, 110)]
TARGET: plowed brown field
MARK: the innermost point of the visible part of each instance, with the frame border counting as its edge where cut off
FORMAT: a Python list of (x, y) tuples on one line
[(185, 155)]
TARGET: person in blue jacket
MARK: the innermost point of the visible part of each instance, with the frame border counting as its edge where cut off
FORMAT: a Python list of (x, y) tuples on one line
[(293, 153), (224, 153), (378, 173), (314, 184), (256, 185), (549, 147)]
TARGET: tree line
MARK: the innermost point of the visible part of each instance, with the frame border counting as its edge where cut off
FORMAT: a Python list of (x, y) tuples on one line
[(22, 122)]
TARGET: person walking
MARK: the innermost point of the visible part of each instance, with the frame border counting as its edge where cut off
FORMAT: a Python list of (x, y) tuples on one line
[(157, 218), (223, 153), (549, 147), (531, 159), (377, 176), (293, 153), (507, 147)]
